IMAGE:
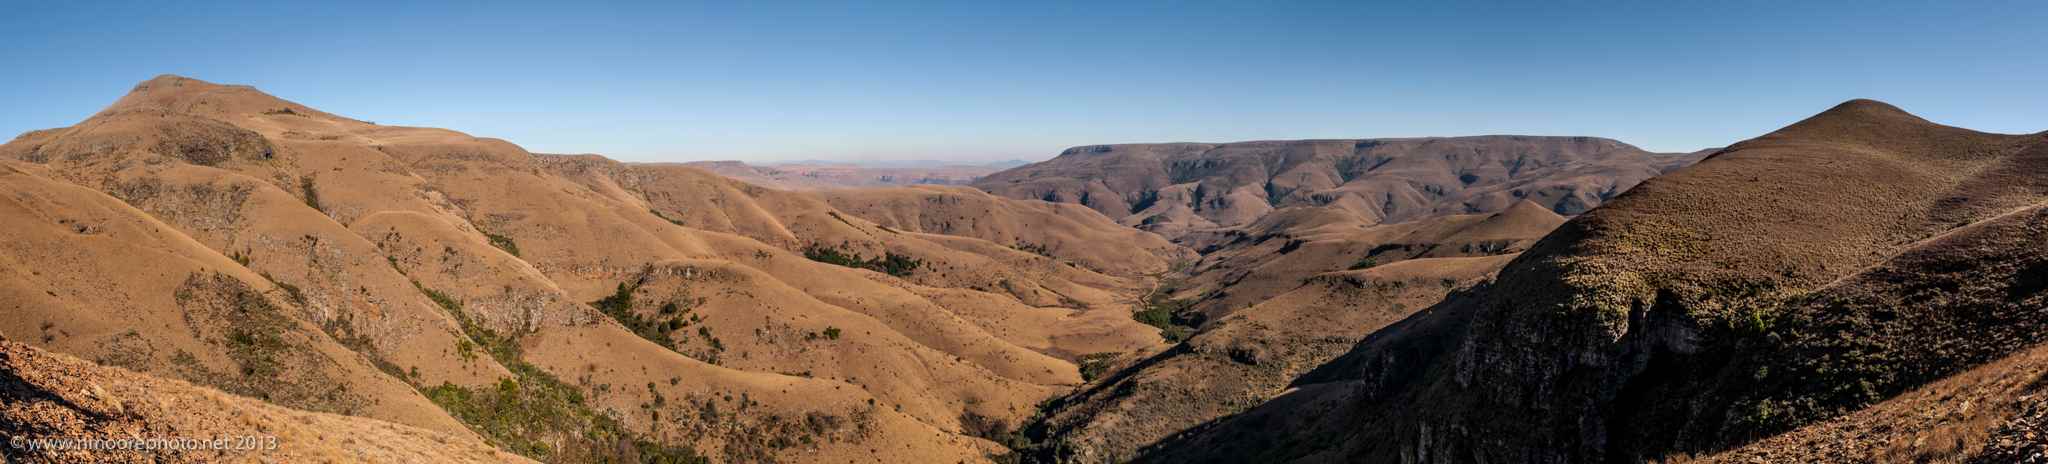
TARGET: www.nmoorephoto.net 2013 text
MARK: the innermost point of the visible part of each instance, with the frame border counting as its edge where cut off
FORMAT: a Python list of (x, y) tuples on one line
[(147, 444)]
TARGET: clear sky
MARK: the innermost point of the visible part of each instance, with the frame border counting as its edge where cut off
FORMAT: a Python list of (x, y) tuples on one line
[(974, 81)]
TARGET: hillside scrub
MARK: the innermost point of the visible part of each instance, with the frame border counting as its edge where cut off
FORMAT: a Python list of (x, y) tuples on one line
[(535, 414), (654, 329), (312, 194), (890, 263), (1165, 312), (503, 243)]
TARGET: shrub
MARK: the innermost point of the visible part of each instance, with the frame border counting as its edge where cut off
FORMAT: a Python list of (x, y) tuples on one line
[(1364, 263), (503, 243), (1154, 316), (890, 263), (665, 217), (1093, 366), (896, 265), (1166, 313), (842, 219), (832, 256), (291, 292), (466, 348), (716, 344), (1033, 248), (312, 195), (255, 349), (992, 429), (620, 307)]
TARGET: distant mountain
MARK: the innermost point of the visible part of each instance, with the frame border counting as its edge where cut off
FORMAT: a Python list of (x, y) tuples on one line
[(1005, 164), (1178, 188), (824, 175), (899, 164)]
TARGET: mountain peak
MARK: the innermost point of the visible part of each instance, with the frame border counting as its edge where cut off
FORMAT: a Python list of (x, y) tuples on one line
[(1862, 114), (180, 94), (1524, 219), (1526, 208), (169, 78), (1872, 123), (1868, 109), (172, 83)]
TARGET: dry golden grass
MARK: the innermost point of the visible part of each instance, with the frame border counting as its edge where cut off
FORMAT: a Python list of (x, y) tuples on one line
[(457, 262)]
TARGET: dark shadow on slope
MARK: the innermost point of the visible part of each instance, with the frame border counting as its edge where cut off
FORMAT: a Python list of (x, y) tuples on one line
[(1329, 407)]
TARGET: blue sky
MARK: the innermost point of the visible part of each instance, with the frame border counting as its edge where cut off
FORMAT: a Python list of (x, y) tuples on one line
[(976, 81)]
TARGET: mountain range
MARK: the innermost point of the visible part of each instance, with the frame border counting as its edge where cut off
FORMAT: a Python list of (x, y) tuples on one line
[(829, 175), (201, 259), (1184, 188)]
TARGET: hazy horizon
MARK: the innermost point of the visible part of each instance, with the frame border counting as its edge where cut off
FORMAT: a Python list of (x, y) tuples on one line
[(975, 83)]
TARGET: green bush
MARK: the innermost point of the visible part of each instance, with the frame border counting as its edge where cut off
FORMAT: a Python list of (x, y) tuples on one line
[(1166, 313), (1033, 248), (890, 263), (654, 329), (665, 217), (503, 243), (1154, 316), (1093, 366), (312, 195)]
